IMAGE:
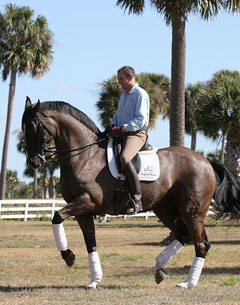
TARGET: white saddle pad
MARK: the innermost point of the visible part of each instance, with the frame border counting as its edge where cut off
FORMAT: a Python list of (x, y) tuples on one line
[(150, 166)]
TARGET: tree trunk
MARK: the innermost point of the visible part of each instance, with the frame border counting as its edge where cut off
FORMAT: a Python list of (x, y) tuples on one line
[(35, 181), (222, 152), (52, 187), (193, 139), (11, 95), (232, 153), (45, 192), (177, 106)]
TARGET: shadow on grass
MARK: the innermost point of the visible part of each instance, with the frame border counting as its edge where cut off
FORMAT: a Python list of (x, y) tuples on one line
[(179, 271), (10, 289), (183, 271), (210, 271), (214, 242), (225, 242), (129, 225)]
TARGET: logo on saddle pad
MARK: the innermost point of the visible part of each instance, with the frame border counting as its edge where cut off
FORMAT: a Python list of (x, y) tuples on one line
[(149, 164)]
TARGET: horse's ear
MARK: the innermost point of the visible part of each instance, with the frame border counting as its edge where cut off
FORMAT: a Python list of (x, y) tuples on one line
[(38, 105), (28, 102), (35, 107)]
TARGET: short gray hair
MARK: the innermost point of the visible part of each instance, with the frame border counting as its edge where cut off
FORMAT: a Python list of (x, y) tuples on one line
[(127, 70)]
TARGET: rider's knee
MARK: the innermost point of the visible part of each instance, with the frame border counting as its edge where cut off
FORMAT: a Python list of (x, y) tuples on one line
[(56, 218), (124, 159)]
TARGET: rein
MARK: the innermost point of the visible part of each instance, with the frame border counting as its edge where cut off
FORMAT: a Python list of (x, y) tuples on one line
[(79, 151), (42, 147)]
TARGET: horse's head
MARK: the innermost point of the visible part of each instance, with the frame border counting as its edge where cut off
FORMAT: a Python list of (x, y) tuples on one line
[(36, 134)]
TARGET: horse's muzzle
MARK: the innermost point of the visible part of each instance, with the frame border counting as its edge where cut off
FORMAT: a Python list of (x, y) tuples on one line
[(35, 161)]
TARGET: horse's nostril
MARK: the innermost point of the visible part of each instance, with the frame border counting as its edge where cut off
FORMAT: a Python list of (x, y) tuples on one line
[(34, 162)]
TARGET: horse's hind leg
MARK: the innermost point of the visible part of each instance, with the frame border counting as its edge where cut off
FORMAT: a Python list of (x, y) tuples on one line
[(196, 228), (168, 214), (164, 257)]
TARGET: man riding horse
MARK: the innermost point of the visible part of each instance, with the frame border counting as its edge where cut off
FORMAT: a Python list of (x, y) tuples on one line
[(130, 122)]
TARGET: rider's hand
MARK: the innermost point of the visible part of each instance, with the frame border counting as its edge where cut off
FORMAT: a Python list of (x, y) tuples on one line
[(106, 132), (116, 131)]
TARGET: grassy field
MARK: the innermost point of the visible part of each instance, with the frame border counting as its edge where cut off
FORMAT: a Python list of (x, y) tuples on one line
[(32, 271)]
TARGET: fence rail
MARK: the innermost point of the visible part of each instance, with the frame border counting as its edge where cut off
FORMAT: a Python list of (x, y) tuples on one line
[(29, 208), (25, 209)]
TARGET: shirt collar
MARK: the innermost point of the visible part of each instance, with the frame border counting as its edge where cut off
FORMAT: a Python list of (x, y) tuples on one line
[(132, 89)]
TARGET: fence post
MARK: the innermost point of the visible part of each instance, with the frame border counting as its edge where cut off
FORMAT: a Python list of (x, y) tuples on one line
[(26, 211), (53, 207)]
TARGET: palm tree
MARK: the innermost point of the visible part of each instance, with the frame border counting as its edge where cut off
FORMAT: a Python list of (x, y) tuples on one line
[(107, 104), (176, 13), (48, 170), (219, 114), (25, 48), (29, 172), (192, 103), (48, 178), (157, 86), (12, 182), (32, 173)]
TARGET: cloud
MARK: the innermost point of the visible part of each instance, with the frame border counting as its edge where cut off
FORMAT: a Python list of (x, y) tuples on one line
[(68, 88)]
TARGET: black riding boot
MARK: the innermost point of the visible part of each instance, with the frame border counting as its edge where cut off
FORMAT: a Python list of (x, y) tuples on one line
[(135, 203)]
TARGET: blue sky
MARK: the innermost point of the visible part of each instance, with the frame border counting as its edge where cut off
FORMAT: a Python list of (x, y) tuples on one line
[(92, 39)]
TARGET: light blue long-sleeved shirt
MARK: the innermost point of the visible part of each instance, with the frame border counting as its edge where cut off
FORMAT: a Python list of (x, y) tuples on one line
[(133, 110)]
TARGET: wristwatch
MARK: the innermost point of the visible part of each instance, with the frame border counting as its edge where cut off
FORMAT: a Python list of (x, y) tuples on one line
[(124, 128)]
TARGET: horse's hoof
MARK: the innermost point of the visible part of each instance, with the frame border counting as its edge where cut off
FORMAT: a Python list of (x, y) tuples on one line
[(160, 275), (69, 257), (185, 285), (92, 285)]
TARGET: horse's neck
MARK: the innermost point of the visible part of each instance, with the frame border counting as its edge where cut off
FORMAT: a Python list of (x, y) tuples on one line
[(73, 134)]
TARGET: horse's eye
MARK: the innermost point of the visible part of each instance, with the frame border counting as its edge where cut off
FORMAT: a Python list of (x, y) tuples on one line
[(22, 145)]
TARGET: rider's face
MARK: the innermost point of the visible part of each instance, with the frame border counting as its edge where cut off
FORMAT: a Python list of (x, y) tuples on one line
[(126, 82)]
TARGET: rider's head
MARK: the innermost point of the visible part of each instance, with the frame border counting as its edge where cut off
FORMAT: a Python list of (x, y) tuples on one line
[(126, 77)]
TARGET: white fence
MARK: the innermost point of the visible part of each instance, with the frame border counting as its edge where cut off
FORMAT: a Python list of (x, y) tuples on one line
[(29, 208), (42, 209)]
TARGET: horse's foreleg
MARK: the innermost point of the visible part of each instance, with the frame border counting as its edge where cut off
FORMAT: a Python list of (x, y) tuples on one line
[(60, 237), (86, 223), (164, 257), (80, 205)]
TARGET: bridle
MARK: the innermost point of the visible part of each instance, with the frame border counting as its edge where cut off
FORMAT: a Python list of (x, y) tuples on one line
[(42, 148)]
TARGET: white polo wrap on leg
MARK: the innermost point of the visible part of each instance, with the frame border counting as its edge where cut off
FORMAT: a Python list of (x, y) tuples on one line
[(95, 269), (167, 254), (194, 273), (60, 236)]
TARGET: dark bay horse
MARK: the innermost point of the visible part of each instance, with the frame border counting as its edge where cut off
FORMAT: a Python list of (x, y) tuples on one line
[(180, 197)]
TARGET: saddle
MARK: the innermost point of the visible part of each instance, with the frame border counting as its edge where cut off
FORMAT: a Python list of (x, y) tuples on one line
[(146, 161)]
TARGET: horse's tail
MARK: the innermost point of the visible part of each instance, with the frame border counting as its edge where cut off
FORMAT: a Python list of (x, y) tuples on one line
[(226, 199)]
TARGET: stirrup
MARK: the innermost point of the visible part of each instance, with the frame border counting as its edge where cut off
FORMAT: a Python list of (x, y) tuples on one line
[(136, 207)]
